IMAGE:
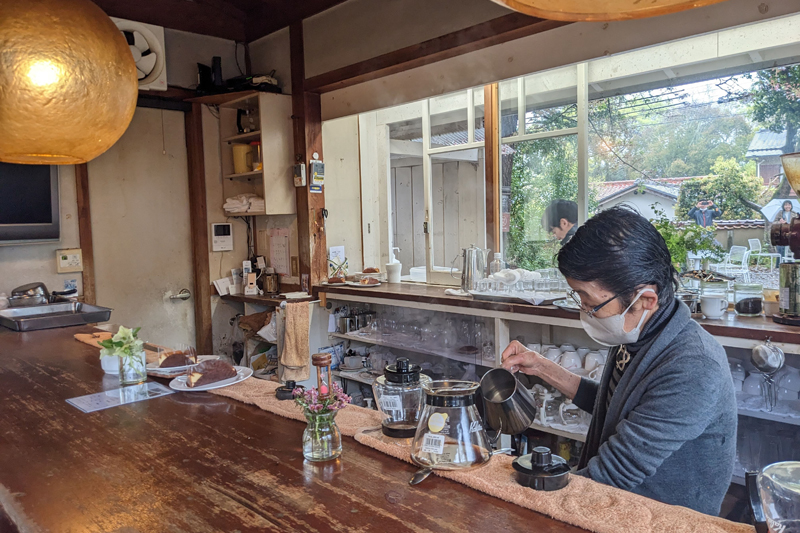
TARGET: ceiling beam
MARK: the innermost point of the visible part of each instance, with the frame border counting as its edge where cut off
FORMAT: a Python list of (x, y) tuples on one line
[(490, 33), (217, 18), (274, 15)]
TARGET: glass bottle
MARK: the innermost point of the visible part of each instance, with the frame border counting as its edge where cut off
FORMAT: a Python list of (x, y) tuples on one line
[(496, 265), (322, 440), (748, 299), (399, 395)]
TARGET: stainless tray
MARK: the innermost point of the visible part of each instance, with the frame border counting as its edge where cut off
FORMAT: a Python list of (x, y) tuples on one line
[(53, 316)]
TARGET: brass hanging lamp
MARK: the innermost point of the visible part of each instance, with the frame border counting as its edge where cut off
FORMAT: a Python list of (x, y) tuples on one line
[(68, 83), (600, 10)]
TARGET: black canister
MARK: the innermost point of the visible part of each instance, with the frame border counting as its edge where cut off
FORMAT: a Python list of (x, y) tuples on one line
[(541, 470)]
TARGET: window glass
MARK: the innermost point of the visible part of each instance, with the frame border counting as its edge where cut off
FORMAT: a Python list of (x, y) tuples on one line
[(550, 100), (449, 120)]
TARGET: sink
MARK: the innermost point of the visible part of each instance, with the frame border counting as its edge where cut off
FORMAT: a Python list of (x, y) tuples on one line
[(58, 315)]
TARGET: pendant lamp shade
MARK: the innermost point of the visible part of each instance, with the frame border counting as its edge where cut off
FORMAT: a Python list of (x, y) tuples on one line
[(600, 10), (68, 84)]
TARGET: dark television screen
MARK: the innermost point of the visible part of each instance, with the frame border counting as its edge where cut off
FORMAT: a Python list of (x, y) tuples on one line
[(25, 194)]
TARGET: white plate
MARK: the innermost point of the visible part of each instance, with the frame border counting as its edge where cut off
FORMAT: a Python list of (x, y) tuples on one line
[(333, 284), (242, 373), (344, 368), (356, 284), (567, 305), (153, 367)]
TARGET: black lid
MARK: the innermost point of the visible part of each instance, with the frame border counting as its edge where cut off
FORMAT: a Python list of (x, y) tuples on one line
[(403, 371), (541, 470)]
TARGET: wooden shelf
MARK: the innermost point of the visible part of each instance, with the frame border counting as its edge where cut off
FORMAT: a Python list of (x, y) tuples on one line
[(249, 136), (353, 376), (560, 432), (474, 360), (773, 417), (224, 99), (253, 174)]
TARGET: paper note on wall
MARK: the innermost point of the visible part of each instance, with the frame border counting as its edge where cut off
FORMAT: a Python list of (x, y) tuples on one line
[(279, 250)]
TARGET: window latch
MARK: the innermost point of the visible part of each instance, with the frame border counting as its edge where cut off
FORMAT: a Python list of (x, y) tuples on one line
[(425, 227)]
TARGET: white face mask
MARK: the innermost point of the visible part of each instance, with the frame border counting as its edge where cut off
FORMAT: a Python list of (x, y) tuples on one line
[(610, 331)]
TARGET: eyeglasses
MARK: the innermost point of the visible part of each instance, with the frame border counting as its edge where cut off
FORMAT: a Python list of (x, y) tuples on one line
[(589, 312)]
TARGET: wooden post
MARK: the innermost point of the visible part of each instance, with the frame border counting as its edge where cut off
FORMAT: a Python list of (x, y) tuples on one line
[(198, 215), (491, 125), (307, 118), (85, 233)]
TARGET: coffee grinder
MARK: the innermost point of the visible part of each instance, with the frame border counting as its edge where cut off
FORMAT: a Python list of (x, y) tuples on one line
[(784, 234)]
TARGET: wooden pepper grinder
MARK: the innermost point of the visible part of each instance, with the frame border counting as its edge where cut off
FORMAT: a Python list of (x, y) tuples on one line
[(323, 362)]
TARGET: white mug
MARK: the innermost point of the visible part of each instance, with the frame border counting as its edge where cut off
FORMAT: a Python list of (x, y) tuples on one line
[(737, 385), (786, 394), (713, 306), (553, 354), (593, 360), (583, 351), (597, 373), (752, 385), (535, 348), (567, 348), (570, 360)]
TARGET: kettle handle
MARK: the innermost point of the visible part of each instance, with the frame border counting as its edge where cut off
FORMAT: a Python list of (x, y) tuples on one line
[(759, 520)]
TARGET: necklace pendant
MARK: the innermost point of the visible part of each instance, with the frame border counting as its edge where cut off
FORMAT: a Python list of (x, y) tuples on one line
[(623, 358)]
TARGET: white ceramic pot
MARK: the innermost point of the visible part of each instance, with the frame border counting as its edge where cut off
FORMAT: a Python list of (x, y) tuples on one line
[(110, 365)]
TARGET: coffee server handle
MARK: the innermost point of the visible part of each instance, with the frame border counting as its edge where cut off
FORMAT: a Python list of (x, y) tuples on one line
[(759, 520), (453, 266)]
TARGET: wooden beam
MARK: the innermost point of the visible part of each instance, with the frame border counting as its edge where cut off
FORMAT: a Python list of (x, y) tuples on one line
[(491, 125), (490, 33), (273, 15), (198, 215), (307, 118), (85, 233)]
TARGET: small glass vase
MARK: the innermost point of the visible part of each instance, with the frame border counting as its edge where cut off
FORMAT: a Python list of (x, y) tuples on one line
[(132, 369), (322, 440)]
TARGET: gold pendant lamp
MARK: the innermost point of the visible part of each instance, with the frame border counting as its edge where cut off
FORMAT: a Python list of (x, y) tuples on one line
[(600, 10), (68, 84)]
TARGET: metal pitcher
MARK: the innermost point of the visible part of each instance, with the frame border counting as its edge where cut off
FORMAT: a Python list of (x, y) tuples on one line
[(473, 267), (508, 406)]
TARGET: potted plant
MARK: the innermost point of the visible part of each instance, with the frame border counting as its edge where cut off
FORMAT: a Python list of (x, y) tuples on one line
[(126, 346), (680, 241), (322, 440)]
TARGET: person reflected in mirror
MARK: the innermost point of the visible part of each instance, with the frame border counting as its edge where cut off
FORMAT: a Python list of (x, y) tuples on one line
[(785, 215), (561, 219), (704, 213), (664, 410)]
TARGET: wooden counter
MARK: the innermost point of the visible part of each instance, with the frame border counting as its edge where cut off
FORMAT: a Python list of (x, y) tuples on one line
[(196, 462), (748, 330)]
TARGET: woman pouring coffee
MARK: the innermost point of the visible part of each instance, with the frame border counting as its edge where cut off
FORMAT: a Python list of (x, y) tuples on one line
[(664, 411)]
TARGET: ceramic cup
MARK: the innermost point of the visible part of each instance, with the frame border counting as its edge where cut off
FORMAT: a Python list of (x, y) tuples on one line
[(737, 384), (567, 348), (597, 373), (752, 385), (714, 307), (570, 360), (553, 354), (786, 394), (546, 347), (535, 348), (790, 378), (737, 371), (593, 360), (583, 351)]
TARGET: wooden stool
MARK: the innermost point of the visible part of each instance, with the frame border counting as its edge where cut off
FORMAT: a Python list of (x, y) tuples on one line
[(322, 361)]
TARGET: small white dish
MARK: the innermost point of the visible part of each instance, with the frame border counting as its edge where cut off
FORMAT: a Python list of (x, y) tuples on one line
[(326, 284), (242, 373), (357, 284), (153, 367)]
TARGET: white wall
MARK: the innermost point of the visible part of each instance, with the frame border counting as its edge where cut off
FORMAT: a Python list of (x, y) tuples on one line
[(21, 264), (185, 50), (642, 202), (363, 29), (550, 49), (340, 147), (272, 53)]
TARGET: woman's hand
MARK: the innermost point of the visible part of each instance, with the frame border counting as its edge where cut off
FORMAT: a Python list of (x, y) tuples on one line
[(517, 357)]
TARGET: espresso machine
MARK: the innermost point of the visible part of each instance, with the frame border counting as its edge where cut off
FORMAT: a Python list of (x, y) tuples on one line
[(784, 234)]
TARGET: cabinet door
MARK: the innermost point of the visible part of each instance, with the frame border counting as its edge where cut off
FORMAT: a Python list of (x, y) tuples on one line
[(277, 153)]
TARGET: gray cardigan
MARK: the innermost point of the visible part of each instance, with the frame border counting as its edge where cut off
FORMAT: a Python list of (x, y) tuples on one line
[(670, 429)]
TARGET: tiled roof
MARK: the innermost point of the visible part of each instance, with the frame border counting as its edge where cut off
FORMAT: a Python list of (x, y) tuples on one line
[(766, 143), (728, 224), (669, 187)]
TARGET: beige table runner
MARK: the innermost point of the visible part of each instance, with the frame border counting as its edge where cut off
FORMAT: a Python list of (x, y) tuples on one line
[(583, 503)]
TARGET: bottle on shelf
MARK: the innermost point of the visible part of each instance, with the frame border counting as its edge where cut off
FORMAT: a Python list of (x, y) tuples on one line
[(496, 265)]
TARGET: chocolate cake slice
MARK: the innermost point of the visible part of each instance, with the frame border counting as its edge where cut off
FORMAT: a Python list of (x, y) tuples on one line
[(209, 372), (176, 358)]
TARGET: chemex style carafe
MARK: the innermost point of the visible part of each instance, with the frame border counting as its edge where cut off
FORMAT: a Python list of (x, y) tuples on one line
[(450, 434), (399, 395), (775, 497)]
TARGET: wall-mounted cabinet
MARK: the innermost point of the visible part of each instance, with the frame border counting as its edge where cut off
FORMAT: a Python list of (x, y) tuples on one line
[(247, 123)]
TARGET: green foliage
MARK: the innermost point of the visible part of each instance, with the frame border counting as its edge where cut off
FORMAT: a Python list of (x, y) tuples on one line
[(124, 343), (775, 99), (681, 241), (727, 186)]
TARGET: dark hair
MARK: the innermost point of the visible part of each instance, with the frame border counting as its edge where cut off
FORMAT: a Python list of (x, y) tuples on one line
[(557, 210), (621, 250), (787, 202)]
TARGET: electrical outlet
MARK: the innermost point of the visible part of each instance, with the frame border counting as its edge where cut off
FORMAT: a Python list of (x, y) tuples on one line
[(295, 266), (70, 260)]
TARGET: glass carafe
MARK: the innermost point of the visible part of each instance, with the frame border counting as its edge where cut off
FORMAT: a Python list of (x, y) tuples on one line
[(450, 434), (399, 395), (779, 488)]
